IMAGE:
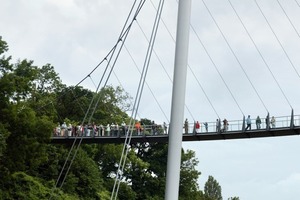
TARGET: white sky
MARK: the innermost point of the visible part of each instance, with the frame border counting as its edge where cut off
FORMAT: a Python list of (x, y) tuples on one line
[(75, 35)]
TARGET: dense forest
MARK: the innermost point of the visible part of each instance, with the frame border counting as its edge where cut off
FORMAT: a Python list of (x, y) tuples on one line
[(33, 100)]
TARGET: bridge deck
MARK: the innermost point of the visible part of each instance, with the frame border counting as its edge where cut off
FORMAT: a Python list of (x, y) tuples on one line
[(186, 137)]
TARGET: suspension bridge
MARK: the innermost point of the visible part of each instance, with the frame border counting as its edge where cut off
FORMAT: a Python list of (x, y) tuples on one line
[(236, 129), (285, 126)]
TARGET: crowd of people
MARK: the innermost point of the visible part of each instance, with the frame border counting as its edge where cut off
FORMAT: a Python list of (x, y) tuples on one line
[(89, 129), (113, 129), (222, 126), (269, 123)]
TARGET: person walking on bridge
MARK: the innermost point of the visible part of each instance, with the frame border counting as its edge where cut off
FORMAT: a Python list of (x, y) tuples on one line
[(248, 123), (258, 122), (273, 122), (225, 125), (186, 126), (218, 124)]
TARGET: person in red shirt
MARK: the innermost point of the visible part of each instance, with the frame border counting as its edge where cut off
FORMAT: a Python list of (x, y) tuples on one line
[(197, 127)]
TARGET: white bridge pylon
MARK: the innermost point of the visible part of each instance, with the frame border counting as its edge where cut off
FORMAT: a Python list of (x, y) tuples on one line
[(178, 100)]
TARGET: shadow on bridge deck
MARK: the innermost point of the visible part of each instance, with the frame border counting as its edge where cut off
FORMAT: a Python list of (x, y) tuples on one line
[(186, 137)]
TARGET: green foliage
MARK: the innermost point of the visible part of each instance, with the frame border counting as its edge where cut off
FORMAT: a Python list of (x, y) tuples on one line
[(23, 186), (27, 141), (126, 192), (33, 100), (84, 172), (188, 188), (234, 198), (4, 133), (212, 189), (3, 46), (72, 102), (44, 92), (108, 157), (114, 102), (47, 80)]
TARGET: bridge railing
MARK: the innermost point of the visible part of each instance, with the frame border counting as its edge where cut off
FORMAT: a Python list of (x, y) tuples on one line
[(159, 129), (237, 125), (102, 131), (297, 120)]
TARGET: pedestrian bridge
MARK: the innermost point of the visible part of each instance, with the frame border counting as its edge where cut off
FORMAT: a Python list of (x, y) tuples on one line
[(236, 129)]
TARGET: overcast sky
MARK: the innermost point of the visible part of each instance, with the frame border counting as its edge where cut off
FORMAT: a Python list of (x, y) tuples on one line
[(75, 35)]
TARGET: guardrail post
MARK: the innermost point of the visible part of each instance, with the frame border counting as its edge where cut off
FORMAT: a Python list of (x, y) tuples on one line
[(268, 122), (292, 119), (218, 126), (243, 125), (194, 128)]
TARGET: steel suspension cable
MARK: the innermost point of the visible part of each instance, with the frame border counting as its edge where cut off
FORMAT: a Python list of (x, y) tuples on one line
[(80, 106), (275, 35), (114, 73), (170, 34), (262, 13), (256, 50), (160, 62), (204, 92), (234, 54), (73, 144), (64, 165), (93, 82), (124, 36), (283, 10), (139, 94), (283, 49), (110, 52), (125, 149), (78, 146), (131, 57), (114, 47)]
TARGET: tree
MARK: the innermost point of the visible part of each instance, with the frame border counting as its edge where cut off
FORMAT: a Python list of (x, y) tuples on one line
[(23, 186), (106, 107), (188, 188), (212, 189), (113, 105), (72, 103), (148, 180), (84, 178), (24, 136), (33, 99), (44, 92), (234, 198), (47, 80)]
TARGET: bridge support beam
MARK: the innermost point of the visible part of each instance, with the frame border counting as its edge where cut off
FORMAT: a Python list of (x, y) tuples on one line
[(178, 100), (292, 119), (244, 124), (268, 122)]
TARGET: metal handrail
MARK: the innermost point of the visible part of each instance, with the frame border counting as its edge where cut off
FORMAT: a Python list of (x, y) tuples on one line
[(160, 129)]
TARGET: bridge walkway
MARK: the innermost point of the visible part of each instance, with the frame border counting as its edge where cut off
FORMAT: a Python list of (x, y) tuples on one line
[(285, 126)]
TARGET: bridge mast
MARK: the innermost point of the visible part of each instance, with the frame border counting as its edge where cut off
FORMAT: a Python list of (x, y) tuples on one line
[(178, 100)]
